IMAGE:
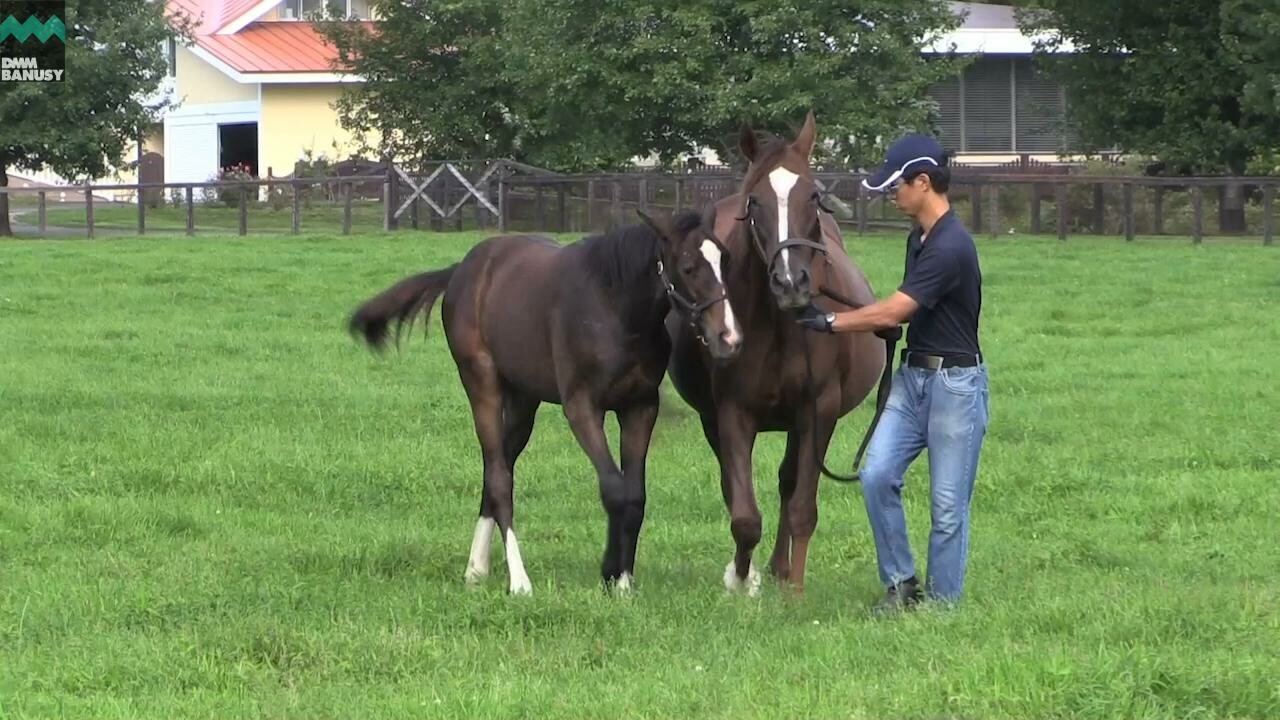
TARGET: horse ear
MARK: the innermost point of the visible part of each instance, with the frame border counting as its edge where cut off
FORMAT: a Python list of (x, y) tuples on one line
[(808, 134), (657, 225), (747, 142)]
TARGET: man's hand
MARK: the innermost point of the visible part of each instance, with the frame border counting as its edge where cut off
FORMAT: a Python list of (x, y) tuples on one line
[(815, 319)]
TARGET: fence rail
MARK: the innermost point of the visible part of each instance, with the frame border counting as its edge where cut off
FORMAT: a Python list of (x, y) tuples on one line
[(508, 196)]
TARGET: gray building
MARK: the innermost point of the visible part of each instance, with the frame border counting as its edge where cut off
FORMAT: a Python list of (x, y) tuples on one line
[(1000, 107)]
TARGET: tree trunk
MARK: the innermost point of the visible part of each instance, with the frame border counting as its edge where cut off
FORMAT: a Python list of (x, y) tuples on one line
[(1231, 218), (5, 230)]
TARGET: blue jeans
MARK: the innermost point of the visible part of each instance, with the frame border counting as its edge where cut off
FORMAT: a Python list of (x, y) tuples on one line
[(945, 411)]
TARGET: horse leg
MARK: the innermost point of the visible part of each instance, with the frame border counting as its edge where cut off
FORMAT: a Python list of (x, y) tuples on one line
[(586, 420), (636, 430), (484, 390), (737, 436), (802, 511), (518, 413), (780, 562)]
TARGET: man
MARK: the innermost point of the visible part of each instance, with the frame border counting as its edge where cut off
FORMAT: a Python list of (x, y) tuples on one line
[(939, 399)]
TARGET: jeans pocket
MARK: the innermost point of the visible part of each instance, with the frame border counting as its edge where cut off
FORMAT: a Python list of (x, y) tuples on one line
[(963, 380)]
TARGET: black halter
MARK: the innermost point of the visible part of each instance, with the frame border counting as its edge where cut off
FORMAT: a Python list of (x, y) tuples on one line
[(770, 258), (691, 310)]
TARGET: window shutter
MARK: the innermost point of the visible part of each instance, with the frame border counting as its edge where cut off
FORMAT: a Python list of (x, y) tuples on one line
[(1040, 112), (988, 105), (946, 95)]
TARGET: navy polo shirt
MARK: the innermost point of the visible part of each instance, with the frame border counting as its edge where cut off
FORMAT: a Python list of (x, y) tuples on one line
[(943, 277)]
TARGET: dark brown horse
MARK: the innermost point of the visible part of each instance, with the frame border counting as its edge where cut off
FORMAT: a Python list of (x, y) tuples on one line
[(785, 248), (529, 321)]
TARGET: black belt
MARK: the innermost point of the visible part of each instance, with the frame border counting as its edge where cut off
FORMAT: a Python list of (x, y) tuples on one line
[(915, 358)]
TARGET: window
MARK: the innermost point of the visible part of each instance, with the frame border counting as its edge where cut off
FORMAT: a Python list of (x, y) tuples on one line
[(307, 9), (238, 146)]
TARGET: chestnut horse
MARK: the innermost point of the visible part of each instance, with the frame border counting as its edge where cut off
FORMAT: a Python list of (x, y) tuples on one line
[(582, 326), (786, 251)]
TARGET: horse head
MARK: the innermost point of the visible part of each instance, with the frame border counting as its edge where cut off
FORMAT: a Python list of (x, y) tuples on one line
[(692, 263), (781, 206)]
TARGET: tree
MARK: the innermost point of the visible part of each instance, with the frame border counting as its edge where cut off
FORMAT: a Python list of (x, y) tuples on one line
[(115, 62), (1190, 82), (579, 84)]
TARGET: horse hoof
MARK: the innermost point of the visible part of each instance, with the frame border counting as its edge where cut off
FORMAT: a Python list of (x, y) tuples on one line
[(733, 583), (474, 576), (521, 586)]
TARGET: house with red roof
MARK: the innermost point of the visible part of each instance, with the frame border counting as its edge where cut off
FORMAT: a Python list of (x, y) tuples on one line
[(256, 88)]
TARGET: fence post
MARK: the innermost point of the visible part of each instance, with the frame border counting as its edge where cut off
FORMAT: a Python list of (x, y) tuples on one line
[(1099, 210), (142, 211), (1159, 210), (679, 194), (644, 194), (591, 198), (391, 189), (244, 210), (1035, 208), (1128, 212), (562, 209), (540, 208), (862, 209), (191, 210), (503, 209), (1268, 214), (88, 211), (1060, 198), (346, 211), (44, 220), (1197, 207), (975, 203), (994, 220), (615, 207), (296, 221)]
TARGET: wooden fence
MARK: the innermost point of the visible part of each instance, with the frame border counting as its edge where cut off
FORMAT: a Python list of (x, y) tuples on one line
[(505, 196)]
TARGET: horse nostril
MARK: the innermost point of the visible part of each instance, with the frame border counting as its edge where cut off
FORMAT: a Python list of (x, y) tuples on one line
[(803, 281)]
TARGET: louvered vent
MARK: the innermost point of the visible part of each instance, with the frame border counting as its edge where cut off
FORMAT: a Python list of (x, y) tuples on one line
[(988, 105), (1040, 111)]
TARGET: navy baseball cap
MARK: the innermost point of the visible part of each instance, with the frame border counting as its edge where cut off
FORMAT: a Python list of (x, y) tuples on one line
[(910, 152)]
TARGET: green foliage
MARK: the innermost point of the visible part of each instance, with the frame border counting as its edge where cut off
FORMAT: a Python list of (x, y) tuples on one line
[(573, 85), (1191, 82), (115, 62)]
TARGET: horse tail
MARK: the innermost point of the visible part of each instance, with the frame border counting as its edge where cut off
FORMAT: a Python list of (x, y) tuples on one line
[(401, 303)]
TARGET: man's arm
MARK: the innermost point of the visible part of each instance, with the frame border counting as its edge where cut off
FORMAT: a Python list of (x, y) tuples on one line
[(880, 315)]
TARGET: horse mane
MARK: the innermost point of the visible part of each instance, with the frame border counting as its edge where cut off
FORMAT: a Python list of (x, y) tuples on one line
[(622, 255)]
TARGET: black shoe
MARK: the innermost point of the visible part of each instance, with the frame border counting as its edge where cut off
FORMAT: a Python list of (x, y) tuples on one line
[(903, 596)]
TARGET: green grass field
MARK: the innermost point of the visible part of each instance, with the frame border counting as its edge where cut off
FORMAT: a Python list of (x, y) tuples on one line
[(213, 503)]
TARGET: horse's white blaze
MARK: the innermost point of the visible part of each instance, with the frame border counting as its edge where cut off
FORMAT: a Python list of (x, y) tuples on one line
[(520, 584), (782, 181), (481, 542), (711, 252), (732, 583)]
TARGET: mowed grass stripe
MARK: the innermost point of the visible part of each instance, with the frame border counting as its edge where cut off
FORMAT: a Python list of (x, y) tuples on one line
[(216, 503)]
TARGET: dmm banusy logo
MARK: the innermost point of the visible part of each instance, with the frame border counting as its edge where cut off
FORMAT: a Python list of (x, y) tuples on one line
[(33, 37)]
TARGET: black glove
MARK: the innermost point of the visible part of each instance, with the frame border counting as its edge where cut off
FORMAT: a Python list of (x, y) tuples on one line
[(816, 319), (893, 334)]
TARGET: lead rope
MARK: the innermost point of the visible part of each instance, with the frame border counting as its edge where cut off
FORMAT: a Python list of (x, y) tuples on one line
[(882, 396)]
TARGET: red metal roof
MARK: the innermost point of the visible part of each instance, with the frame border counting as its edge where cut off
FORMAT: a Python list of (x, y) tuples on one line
[(284, 46), (260, 47)]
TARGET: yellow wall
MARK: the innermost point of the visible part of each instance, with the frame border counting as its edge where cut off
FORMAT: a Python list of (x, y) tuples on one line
[(199, 83), (297, 118)]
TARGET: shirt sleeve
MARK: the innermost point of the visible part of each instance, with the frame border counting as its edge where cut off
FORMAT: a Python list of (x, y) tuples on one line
[(935, 274)]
